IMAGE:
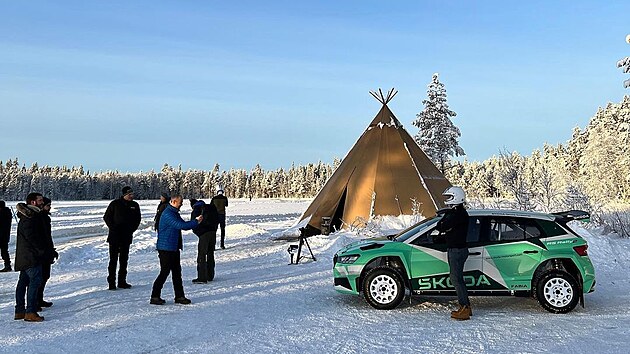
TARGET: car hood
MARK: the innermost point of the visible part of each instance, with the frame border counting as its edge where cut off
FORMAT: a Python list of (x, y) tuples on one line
[(362, 245)]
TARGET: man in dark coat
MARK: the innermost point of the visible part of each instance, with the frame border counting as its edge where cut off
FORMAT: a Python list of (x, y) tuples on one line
[(221, 202), (122, 218), (454, 225), (50, 254), (6, 217), (207, 233), (30, 249), (164, 199)]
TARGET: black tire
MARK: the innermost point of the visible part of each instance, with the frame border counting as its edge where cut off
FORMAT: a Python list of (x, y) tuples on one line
[(383, 288), (557, 291)]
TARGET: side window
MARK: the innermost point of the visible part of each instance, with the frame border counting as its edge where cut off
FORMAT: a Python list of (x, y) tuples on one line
[(428, 238), (550, 228), (512, 229), (474, 227)]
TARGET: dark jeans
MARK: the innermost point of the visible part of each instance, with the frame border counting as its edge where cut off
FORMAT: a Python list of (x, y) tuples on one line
[(456, 260), (4, 249), (45, 277), (222, 225), (30, 279), (169, 263), (117, 252), (205, 256)]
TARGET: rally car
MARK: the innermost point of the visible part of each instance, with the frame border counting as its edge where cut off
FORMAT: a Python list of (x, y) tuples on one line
[(510, 253)]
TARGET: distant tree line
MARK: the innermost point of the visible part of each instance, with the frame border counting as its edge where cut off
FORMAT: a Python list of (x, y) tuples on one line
[(74, 183), (590, 171)]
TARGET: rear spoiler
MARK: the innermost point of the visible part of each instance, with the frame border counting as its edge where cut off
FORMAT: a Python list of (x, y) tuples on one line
[(570, 215)]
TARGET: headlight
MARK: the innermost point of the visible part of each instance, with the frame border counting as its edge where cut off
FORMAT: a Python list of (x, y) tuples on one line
[(348, 259)]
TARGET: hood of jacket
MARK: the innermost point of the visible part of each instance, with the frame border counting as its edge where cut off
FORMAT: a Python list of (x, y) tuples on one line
[(25, 210)]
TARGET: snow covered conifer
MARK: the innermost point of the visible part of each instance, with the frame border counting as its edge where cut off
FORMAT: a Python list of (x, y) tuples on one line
[(437, 136)]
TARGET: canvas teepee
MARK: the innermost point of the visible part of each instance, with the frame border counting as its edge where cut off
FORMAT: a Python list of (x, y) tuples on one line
[(381, 175)]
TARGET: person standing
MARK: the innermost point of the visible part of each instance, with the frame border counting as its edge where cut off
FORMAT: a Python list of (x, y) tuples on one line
[(50, 254), (454, 225), (122, 218), (29, 250), (207, 233), (221, 202), (169, 243), (164, 198), (6, 218)]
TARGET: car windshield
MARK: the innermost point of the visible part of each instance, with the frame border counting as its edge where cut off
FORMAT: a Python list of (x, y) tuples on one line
[(407, 233)]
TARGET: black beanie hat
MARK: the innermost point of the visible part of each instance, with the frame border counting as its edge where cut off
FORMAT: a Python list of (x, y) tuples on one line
[(47, 201), (126, 190)]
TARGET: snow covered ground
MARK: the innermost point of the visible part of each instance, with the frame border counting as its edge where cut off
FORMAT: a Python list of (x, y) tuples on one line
[(257, 303)]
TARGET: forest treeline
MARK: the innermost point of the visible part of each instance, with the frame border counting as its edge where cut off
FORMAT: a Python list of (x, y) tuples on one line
[(591, 169)]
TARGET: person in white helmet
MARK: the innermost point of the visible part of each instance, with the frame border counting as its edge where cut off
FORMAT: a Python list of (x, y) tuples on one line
[(454, 225)]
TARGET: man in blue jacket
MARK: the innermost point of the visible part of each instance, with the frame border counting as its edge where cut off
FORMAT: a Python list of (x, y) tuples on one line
[(169, 243)]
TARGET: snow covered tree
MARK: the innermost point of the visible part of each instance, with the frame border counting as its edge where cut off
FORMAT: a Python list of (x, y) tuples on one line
[(624, 64), (437, 136)]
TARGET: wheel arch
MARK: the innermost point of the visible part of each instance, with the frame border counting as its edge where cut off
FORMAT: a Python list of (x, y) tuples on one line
[(563, 264), (393, 261)]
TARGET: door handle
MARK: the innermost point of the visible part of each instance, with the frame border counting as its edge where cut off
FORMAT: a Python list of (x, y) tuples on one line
[(529, 252), (475, 253)]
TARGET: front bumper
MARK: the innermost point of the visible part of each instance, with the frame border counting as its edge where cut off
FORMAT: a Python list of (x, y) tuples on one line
[(345, 278)]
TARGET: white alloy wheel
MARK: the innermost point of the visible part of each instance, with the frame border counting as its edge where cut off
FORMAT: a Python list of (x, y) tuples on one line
[(383, 289), (558, 292)]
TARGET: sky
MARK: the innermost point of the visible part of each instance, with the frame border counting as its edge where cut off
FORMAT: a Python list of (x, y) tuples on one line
[(131, 85)]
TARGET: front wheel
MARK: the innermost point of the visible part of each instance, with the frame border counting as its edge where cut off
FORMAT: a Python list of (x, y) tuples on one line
[(557, 292), (383, 288)]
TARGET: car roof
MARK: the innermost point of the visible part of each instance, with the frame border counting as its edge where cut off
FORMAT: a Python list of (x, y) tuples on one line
[(513, 213)]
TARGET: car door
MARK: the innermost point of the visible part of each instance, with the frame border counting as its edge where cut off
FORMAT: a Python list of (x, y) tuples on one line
[(429, 262), (512, 252)]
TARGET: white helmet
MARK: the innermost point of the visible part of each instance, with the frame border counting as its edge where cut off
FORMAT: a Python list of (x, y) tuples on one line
[(455, 195)]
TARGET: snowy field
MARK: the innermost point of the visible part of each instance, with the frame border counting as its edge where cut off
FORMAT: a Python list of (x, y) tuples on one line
[(259, 304)]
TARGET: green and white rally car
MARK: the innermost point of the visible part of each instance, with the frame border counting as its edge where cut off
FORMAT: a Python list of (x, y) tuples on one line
[(510, 253)]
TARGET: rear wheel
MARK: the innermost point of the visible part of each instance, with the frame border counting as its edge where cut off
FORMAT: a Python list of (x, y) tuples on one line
[(557, 291), (384, 288)]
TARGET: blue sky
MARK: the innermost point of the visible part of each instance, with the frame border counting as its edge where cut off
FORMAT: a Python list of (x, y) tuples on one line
[(131, 85)]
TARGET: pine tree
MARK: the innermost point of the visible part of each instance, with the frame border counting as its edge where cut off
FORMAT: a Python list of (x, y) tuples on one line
[(437, 136)]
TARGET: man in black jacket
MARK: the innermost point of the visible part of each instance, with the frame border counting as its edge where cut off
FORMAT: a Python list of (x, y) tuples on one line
[(454, 225), (207, 233), (220, 201), (29, 253), (6, 217), (50, 254), (122, 218)]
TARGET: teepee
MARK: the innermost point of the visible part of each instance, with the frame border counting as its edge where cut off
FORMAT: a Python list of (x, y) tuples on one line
[(382, 174)]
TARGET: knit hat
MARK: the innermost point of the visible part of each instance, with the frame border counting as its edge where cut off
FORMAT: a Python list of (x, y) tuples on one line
[(126, 190), (47, 201)]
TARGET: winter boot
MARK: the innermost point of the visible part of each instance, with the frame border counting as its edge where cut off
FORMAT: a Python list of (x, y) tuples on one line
[(459, 309), (182, 300), (124, 285), (7, 268), (462, 314), (157, 301), (44, 303), (19, 316), (199, 281), (33, 317)]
